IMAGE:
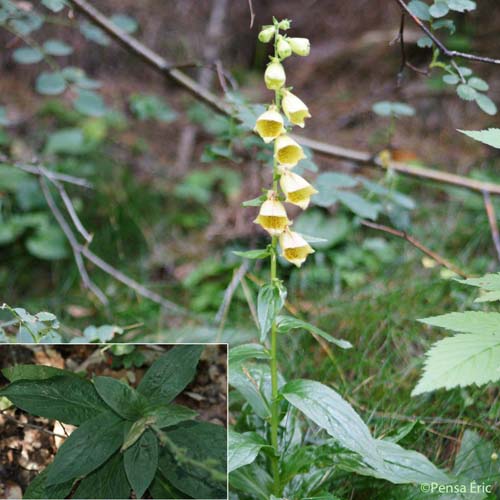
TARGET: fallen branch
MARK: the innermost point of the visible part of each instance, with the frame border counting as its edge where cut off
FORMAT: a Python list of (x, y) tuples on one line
[(439, 44), (410, 239), (158, 63)]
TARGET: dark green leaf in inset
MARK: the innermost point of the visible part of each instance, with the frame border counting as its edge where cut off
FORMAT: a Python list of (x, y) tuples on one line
[(160, 488), (166, 416), (33, 372), (108, 481), (120, 397), (170, 374), (38, 489), (70, 399), (88, 447), (141, 462), (202, 442)]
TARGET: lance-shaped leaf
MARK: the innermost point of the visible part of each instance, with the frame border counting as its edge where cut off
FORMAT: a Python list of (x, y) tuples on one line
[(170, 374), (70, 399), (88, 447), (33, 372), (161, 488), (38, 489), (141, 462), (243, 448), (166, 416), (122, 398), (467, 322), (202, 442), (108, 481), (270, 301)]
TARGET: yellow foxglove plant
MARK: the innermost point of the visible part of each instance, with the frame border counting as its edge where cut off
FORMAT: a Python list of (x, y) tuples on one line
[(261, 460)]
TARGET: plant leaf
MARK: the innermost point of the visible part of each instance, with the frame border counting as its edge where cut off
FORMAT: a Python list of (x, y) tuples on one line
[(462, 360), (254, 254), (169, 415), (70, 399), (243, 448), (200, 441), (467, 322), (88, 447), (160, 488), (141, 462), (491, 137), (248, 351), (108, 481), (287, 323), (34, 372), (170, 374), (270, 301), (122, 398)]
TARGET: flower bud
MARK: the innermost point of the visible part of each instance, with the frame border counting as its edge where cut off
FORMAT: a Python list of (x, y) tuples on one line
[(270, 125), (300, 46), (283, 48), (287, 151), (266, 34), (284, 24), (272, 217), (294, 247), (295, 110), (297, 190), (275, 76)]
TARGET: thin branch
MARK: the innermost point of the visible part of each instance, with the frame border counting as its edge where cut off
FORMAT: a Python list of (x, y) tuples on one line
[(410, 239), (52, 176), (252, 13), (228, 294), (69, 206), (404, 59), (159, 64), (492, 219), (75, 246), (441, 46)]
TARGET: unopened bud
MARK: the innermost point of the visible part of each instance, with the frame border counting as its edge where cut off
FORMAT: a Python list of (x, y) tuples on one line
[(266, 34)]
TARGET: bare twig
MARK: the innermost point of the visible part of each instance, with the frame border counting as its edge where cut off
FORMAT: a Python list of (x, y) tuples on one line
[(80, 251), (52, 176), (75, 246), (410, 239), (440, 45), (492, 219), (228, 294), (404, 59), (159, 64), (252, 13)]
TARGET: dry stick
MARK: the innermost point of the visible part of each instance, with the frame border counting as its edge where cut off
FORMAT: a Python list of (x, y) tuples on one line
[(404, 59), (252, 13), (75, 246), (79, 251), (228, 294), (158, 63), (440, 45), (492, 219), (410, 239)]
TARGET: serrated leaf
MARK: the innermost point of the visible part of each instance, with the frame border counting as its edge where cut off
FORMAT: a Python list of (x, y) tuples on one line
[(120, 397), (490, 282), (88, 447), (201, 441), (141, 462), (50, 83), (108, 481), (170, 374), (71, 399), (467, 322), (287, 323), (243, 448), (27, 55), (462, 360), (491, 136)]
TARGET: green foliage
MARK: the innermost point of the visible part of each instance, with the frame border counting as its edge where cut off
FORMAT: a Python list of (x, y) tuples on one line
[(151, 107), (491, 137), (270, 301), (473, 356), (154, 436)]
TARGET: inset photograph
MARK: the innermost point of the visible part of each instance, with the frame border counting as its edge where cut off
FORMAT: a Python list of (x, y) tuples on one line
[(102, 421)]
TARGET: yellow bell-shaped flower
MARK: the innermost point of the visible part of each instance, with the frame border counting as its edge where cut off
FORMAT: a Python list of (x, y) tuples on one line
[(297, 190), (272, 216), (274, 75), (287, 151), (270, 124), (294, 247), (300, 46), (295, 110)]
